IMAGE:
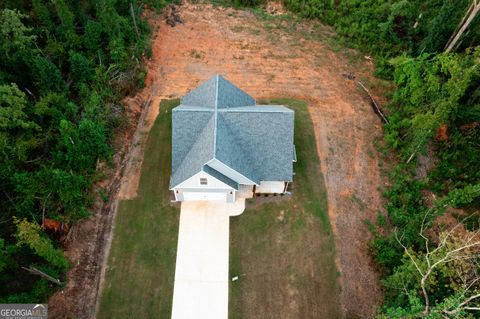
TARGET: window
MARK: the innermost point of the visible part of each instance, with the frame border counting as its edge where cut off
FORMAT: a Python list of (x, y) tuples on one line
[(203, 181)]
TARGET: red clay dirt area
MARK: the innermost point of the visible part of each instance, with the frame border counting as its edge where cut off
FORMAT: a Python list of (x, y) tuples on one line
[(268, 57)]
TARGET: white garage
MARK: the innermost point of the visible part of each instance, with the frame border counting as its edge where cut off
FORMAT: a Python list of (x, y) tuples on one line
[(190, 196), (204, 187)]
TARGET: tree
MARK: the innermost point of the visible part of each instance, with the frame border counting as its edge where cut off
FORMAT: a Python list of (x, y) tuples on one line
[(30, 234), (80, 147), (51, 192), (454, 255), (93, 37), (3, 255), (14, 35), (47, 76), (81, 68), (12, 109), (16, 128), (52, 108), (430, 92), (463, 196)]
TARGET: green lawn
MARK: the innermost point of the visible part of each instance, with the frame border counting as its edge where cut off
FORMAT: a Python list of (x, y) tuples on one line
[(139, 280), (284, 252), (285, 249)]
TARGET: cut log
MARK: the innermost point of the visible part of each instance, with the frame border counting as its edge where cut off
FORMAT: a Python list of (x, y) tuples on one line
[(132, 12), (466, 20), (40, 273), (172, 15), (375, 106)]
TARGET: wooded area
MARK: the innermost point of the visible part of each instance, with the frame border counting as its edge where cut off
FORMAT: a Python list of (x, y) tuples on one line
[(65, 67)]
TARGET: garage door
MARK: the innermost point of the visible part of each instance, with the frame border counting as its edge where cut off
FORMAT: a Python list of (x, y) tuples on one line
[(205, 196)]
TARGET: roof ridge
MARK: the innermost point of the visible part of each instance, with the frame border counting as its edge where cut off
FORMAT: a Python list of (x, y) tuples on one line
[(191, 108), (258, 109)]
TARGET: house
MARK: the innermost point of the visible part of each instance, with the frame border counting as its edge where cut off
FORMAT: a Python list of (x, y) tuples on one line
[(224, 146)]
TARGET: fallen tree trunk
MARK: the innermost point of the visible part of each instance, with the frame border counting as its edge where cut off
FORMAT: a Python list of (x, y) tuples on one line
[(375, 106), (132, 12), (35, 271), (466, 20)]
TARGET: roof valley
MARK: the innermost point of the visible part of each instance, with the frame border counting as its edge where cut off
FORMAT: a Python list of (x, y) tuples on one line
[(215, 110)]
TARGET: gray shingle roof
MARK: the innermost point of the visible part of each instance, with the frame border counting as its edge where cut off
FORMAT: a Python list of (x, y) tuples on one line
[(189, 160), (218, 120), (229, 95), (217, 92), (203, 96), (266, 141)]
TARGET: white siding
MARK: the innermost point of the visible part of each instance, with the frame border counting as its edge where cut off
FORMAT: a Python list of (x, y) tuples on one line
[(192, 190), (245, 191), (212, 182), (230, 173), (270, 187)]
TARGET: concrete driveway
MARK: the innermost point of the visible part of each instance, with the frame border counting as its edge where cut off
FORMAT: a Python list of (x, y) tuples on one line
[(201, 271)]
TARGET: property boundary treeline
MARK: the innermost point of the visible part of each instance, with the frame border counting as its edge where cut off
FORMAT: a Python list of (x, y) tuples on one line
[(433, 136), (65, 67)]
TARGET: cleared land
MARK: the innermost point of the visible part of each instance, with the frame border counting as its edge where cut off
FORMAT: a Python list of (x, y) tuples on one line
[(283, 56), (267, 56), (141, 266), (284, 251)]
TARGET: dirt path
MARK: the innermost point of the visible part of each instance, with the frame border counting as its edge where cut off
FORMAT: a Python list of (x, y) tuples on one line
[(274, 58)]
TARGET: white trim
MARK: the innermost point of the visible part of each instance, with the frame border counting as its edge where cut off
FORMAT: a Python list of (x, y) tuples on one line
[(195, 176)]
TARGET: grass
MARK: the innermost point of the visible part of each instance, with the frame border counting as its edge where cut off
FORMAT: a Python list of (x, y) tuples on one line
[(141, 266), (285, 250)]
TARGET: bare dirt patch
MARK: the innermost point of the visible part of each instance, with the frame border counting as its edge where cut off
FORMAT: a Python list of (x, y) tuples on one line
[(275, 57)]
